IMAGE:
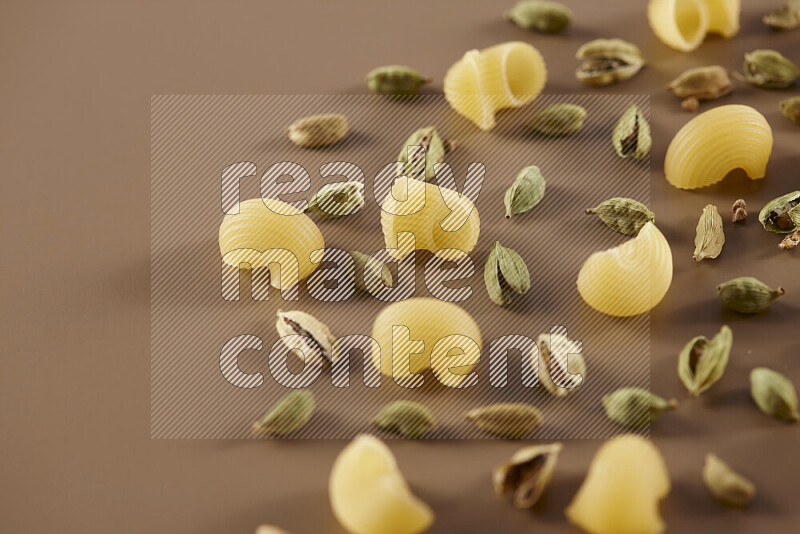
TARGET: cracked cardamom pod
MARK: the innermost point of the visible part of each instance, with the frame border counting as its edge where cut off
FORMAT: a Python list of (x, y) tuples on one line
[(631, 135), (506, 420), (421, 164), (368, 268), (396, 81), (505, 271), (608, 61), (290, 413), (318, 130), (791, 109), (558, 120), (769, 69), (623, 215), (540, 15), (785, 17), (702, 362), (710, 237), (526, 191), (337, 200), (774, 394), (726, 485), (406, 418), (308, 335), (790, 241), (526, 475), (747, 294), (739, 210), (561, 370), (635, 408), (701, 83), (781, 215)]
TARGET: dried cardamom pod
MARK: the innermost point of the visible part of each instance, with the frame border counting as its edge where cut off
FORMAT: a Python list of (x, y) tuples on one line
[(526, 191), (506, 420), (624, 215), (769, 69), (701, 83), (781, 215), (289, 414), (396, 80), (785, 17), (747, 294), (631, 135), (540, 15), (702, 362), (315, 341), (774, 394), (337, 200), (791, 109), (526, 475), (368, 268), (726, 485), (558, 120), (422, 162), (559, 363), (406, 418), (739, 210), (505, 271), (608, 61), (318, 130), (635, 408), (790, 241), (710, 237)]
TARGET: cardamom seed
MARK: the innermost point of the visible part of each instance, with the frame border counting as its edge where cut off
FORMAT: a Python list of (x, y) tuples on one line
[(623, 215), (318, 130), (406, 418), (726, 485), (747, 294), (527, 474), (790, 241), (635, 408), (690, 104), (506, 420), (290, 413), (421, 164), (337, 200), (505, 271), (781, 215), (701, 83), (396, 81), (631, 135), (608, 61), (702, 362), (526, 191), (710, 237), (769, 69), (558, 120), (774, 394), (540, 15), (315, 341), (368, 268), (739, 210), (791, 109), (561, 373), (785, 17)]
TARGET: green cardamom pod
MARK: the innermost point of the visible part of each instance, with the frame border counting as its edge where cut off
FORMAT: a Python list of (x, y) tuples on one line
[(396, 81), (506, 420), (608, 61), (631, 136), (421, 162), (710, 237), (790, 241), (791, 109), (785, 17), (769, 69), (624, 215), (505, 271), (702, 362), (302, 331), (540, 15), (774, 394), (337, 200), (369, 268), (526, 191), (635, 408), (318, 130), (406, 418), (726, 485), (702, 83), (781, 215), (527, 474), (290, 413), (747, 294), (558, 120), (566, 365)]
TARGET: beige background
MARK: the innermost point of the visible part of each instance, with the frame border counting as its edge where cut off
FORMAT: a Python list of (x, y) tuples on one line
[(75, 380)]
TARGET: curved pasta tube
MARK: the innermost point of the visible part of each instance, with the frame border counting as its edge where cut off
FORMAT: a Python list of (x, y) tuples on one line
[(683, 24), (629, 279), (507, 75), (716, 142), (441, 220), (267, 224)]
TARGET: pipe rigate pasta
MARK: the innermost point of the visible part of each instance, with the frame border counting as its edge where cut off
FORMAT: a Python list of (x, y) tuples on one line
[(683, 24)]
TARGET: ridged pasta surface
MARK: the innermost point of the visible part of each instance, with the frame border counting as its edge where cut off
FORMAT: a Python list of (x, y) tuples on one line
[(684, 24)]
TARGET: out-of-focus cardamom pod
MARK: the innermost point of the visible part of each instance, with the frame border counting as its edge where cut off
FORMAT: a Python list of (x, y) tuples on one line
[(526, 475), (318, 130), (774, 394), (631, 136), (396, 81), (526, 191), (506, 420), (301, 331), (739, 210), (608, 61), (420, 163), (702, 362), (406, 418), (769, 69), (290, 413), (635, 408), (785, 17), (781, 215), (726, 485), (710, 237), (337, 200), (505, 271), (624, 215), (558, 120), (701, 83), (540, 15), (269, 529), (747, 294), (790, 241), (368, 268), (791, 109), (559, 364)]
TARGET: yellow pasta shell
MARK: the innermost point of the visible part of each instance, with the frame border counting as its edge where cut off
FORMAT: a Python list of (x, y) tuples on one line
[(683, 24), (483, 82), (629, 279), (716, 142)]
